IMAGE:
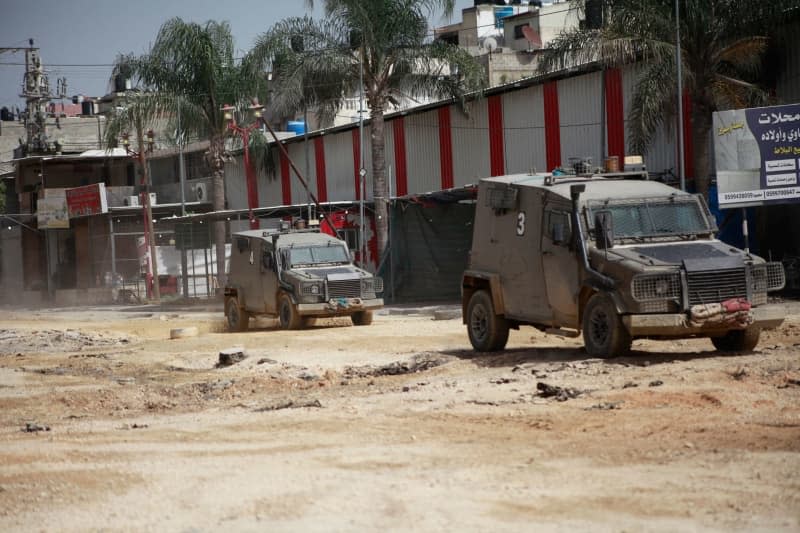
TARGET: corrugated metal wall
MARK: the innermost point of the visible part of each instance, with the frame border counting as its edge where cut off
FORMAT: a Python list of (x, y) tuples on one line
[(582, 132), (580, 108), (422, 152), (523, 122), (470, 143)]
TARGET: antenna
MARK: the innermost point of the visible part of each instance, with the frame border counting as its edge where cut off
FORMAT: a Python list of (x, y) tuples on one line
[(490, 43)]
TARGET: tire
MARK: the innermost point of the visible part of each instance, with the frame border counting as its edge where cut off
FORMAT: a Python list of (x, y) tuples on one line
[(361, 318), (287, 313), (738, 340), (238, 318), (604, 334), (487, 331)]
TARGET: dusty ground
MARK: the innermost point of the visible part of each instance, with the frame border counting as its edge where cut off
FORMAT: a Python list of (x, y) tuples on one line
[(394, 426)]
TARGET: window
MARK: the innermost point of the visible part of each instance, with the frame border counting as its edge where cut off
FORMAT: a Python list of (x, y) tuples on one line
[(558, 227), (518, 34)]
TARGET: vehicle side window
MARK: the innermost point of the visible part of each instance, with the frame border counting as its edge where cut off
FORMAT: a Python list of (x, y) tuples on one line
[(242, 244), (558, 227)]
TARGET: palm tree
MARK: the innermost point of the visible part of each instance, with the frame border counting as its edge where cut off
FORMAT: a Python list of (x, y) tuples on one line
[(141, 113), (722, 44), (384, 41), (195, 63)]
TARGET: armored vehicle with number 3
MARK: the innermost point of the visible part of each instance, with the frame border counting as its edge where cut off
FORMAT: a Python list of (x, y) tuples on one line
[(615, 258), (296, 276)]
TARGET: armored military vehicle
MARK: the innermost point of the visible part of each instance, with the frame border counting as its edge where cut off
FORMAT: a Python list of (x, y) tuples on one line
[(615, 258), (297, 276)]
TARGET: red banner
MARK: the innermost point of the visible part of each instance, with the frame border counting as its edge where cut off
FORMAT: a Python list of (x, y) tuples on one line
[(87, 200)]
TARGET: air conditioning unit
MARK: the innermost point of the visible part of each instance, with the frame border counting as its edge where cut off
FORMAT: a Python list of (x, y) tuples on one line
[(131, 201), (201, 192)]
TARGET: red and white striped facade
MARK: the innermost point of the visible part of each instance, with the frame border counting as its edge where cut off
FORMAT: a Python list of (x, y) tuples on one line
[(515, 128)]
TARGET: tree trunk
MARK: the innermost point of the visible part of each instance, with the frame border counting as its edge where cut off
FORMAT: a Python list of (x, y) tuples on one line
[(380, 192), (701, 126), (218, 185)]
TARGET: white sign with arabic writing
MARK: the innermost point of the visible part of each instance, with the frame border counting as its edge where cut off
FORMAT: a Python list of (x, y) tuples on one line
[(757, 155)]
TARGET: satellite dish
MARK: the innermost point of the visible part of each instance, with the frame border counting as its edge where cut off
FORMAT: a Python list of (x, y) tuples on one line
[(490, 43), (532, 36)]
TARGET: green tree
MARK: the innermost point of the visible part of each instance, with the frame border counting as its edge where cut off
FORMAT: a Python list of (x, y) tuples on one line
[(319, 63), (195, 64), (722, 46)]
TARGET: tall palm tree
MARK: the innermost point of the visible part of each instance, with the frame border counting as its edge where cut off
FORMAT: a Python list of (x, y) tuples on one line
[(386, 42), (196, 63), (722, 44)]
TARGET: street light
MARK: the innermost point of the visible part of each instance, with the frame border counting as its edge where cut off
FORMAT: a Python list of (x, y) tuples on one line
[(244, 132), (146, 143)]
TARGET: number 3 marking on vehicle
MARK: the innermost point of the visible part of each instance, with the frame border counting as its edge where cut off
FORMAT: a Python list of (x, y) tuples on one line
[(521, 223)]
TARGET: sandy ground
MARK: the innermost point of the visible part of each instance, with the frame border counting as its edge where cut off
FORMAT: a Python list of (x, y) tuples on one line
[(107, 424)]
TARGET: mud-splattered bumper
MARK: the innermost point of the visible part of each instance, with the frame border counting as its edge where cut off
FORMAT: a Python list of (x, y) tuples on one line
[(678, 324), (339, 307)]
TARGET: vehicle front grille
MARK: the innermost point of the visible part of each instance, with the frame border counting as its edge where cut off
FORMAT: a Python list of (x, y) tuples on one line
[(716, 285), (350, 288)]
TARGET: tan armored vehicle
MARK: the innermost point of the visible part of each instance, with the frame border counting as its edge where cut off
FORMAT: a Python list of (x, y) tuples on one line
[(619, 259), (297, 276)]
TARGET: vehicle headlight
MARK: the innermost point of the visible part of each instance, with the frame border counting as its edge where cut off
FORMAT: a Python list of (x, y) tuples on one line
[(664, 286), (311, 288)]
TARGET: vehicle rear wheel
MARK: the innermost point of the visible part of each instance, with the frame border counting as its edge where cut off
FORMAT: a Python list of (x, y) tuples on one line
[(487, 331), (361, 318), (738, 340), (238, 318), (604, 334), (287, 313)]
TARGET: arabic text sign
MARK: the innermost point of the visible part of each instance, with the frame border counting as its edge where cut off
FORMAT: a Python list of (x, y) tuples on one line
[(757, 155), (87, 200)]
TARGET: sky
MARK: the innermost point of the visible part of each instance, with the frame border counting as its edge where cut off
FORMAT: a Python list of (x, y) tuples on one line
[(80, 39)]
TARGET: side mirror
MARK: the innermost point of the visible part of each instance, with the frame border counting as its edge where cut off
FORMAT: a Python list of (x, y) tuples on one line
[(604, 230)]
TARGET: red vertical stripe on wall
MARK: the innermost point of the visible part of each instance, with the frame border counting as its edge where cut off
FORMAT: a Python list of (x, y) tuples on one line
[(615, 116), (400, 156), (356, 162), (322, 179), (688, 145), (552, 125), (496, 142), (286, 176), (445, 148)]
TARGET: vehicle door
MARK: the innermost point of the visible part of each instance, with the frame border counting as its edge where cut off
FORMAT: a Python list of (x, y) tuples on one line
[(560, 263), (269, 277)]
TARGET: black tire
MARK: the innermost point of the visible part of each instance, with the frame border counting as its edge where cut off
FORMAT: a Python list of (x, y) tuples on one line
[(287, 313), (604, 334), (238, 318), (487, 331), (361, 318), (738, 340)]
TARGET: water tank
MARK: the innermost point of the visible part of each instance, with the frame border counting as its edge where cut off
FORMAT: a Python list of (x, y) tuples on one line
[(87, 107), (297, 126)]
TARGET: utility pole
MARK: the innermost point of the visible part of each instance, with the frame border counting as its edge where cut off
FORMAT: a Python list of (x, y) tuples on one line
[(36, 92)]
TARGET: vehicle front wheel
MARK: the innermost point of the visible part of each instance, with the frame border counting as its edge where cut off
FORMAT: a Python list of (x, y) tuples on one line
[(487, 331), (238, 318), (361, 318), (287, 313), (604, 334), (738, 340)]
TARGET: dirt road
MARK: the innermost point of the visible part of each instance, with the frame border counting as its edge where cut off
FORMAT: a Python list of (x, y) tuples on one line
[(107, 424)]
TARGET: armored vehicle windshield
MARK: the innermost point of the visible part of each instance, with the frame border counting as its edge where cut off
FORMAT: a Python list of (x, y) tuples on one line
[(655, 217), (316, 255)]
